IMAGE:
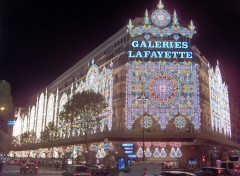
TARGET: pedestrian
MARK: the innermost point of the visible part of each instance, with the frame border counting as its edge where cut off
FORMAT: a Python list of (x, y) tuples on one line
[(1, 166)]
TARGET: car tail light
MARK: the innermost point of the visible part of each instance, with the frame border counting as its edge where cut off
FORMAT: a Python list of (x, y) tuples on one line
[(75, 174), (27, 167), (219, 171)]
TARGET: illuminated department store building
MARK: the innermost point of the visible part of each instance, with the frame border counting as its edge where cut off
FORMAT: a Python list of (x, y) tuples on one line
[(160, 90)]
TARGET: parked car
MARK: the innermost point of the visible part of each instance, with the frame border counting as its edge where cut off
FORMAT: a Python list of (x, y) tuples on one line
[(176, 173), (212, 171), (98, 170), (232, 166), (28, 167), (142, 168), (77, 170)]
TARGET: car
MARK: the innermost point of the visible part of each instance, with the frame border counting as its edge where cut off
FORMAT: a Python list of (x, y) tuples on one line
[(98, 170), (212, 171), (28, 167), (77, 170), (176, 173), (142, 168), (232, 166)]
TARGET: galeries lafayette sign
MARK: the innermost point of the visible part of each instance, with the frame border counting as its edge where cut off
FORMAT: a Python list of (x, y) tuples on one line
[(160, 50)]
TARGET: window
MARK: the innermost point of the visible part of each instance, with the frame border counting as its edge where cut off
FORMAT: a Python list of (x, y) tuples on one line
[(230, 166)]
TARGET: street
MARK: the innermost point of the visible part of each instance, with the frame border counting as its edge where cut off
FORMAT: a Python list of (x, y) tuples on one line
[(13, 170)]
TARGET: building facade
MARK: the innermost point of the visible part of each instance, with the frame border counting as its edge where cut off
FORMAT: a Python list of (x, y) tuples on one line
[(166, 103)]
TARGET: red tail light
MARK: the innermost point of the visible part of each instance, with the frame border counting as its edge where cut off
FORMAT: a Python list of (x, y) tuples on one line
[(26, 167), (219, 171)]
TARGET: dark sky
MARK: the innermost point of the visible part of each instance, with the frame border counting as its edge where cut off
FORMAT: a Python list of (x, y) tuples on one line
[(40, 39)]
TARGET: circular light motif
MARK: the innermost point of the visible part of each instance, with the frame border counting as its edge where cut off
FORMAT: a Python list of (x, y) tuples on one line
[(163, 89), (180, 122), (146, 122), (161, 17)]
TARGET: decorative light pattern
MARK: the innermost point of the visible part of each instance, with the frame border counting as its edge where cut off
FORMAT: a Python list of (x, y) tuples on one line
[(163, 153), (148, 153), (172, 152), (101, 82), (161, 18), (101, 153), (50, 109), (172, 90), (178, 153), (32, 119), (156, 153), (219, 102), (106, 146), (17, 127), (180, 122), (139, 152), (146, 122), (48, 106), (25, 123), (62, 102), (40, 115), (163, 88)]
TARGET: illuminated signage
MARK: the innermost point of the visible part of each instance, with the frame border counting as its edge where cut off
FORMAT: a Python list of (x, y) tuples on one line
[(127, 145), (132, 156), (128, 152), (159, 50), (10, 123)]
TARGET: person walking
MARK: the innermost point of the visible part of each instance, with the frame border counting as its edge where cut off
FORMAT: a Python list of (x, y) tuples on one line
[(1, 166)]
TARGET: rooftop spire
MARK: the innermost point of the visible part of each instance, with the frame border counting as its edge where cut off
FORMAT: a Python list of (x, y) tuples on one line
[(146, 18), (130, 26), (160, 5), (175, 19), (191, 26)]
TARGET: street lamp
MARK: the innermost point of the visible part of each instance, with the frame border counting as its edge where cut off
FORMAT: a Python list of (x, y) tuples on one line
[(143, 98)]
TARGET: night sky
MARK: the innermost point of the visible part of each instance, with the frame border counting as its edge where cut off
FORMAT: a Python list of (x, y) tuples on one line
[(41, 39)]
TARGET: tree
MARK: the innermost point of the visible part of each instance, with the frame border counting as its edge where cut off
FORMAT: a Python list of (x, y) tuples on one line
[(6, 113), (49, 132), (82, 114), (6, 99)]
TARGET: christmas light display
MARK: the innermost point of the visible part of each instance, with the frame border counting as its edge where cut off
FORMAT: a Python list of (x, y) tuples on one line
[(40, 115), (50, 109), (180, 122), (32, 119), (101, 82), (63, 101), (161, 19), (219, 102), (159, 153), (172, 90), (25, 124)]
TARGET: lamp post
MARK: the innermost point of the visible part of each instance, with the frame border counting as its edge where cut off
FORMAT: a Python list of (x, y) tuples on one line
[(143, 98)]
